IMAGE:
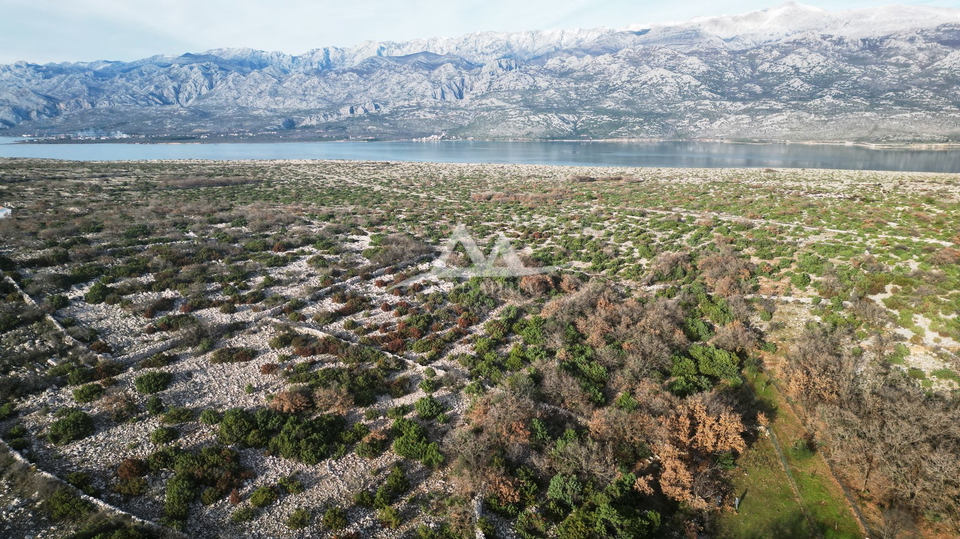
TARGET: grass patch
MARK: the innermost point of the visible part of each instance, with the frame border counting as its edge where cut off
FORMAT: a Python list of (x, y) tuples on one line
[(769, 507), (946, 374)]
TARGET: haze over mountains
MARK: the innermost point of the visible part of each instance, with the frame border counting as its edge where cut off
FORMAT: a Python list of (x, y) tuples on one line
[(792, 72)]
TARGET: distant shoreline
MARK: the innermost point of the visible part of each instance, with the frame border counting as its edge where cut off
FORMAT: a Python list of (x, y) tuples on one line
[(929, 146)]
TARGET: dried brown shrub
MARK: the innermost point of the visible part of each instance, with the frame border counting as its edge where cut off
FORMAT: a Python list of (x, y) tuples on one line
[(536, 285), (119, 406), (735, 337), (503, 487), (269, 368), (291, 402), (329, 399)]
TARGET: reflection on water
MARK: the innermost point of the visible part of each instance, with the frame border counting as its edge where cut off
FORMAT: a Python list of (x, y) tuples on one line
[(629, 154)]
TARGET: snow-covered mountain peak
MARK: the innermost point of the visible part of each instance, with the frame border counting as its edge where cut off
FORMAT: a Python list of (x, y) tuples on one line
[(773, 74), (790, 18)]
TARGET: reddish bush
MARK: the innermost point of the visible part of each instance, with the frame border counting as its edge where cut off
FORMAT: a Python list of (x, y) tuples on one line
[(466, 320), (269, 368), (101, 347), (130, 468), (395, 346)]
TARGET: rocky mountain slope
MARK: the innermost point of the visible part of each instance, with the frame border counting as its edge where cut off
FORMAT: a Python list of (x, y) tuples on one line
[(788, 73)]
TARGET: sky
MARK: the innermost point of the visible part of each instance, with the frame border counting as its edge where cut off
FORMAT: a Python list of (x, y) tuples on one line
[(43, 31)]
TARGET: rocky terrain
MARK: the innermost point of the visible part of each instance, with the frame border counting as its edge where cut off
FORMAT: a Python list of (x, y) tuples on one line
[(260, 349), (788, 73)]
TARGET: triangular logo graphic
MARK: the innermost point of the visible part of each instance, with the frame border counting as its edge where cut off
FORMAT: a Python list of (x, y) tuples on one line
[(501, 262)]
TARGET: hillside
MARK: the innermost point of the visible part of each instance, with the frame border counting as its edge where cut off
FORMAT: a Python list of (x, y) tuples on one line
[(785, 73)]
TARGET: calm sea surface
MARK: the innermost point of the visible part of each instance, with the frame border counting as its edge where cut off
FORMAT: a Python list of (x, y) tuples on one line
[(619, 154)]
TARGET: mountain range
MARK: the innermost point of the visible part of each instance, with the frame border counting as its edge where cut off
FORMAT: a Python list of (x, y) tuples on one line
[(792, 72)]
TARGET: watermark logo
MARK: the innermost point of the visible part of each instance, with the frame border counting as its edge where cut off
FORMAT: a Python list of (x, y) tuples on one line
[(501, 262)]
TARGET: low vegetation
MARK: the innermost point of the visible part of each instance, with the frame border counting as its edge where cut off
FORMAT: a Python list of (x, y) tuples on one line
[(704, 333)]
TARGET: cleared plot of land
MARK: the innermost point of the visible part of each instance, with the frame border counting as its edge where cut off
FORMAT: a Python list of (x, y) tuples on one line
[(258, 349)]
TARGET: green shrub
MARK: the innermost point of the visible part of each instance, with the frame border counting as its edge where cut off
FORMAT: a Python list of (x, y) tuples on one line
[(64, 504), (178, 414), (137, 231), (131, 486), (299, 519), (236, 424), (181, 491), (291, 484), (88, 393), (565, 488), (8, 410), (389, 517), (428, 407), (716, 362), (210, 496), (155, 406), (697, 330), (429, 385), (370, 448), (946, 374), (412, 442), (164, 435), (98, 293), (244, 514), (152, 382), (308, 440), (916, 373), (73, 425), (83, 482), (625, 401), (800, 280), (398, 411), (58, 301), (157, 360), (16, 437), (364, 498), (900, 352), (79, 375), (263, 497), (335, 518), (233, 355), (209, 417), (397, 482)]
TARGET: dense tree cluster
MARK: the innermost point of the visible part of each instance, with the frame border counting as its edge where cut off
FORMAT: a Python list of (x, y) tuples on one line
[(897, 445)]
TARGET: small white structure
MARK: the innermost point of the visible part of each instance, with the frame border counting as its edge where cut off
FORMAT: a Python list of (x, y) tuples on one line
[(5, 212)]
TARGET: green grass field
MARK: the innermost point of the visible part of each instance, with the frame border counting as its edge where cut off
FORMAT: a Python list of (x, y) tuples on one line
[(769, 507)]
